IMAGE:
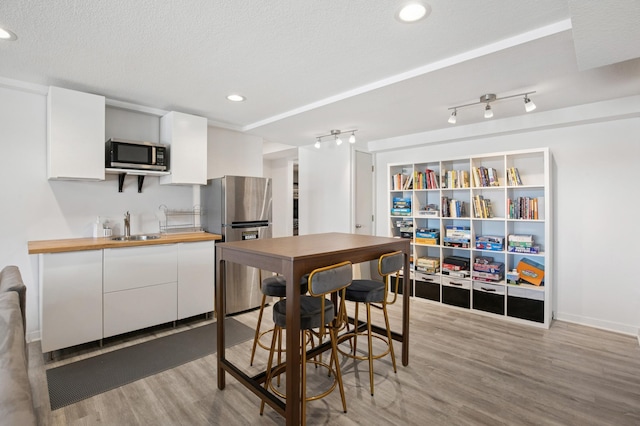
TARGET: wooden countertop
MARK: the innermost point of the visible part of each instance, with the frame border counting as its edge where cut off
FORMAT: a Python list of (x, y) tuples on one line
[(80, 244)]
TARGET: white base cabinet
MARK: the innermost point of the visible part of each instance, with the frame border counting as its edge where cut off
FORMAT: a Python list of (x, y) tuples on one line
[(71, 298), (196, 277), (90, 295)]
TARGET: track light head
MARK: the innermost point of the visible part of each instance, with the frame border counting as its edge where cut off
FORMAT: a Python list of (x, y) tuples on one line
[(528, 104), (488, 113), (352, 138), (317, 144), (453, 117)]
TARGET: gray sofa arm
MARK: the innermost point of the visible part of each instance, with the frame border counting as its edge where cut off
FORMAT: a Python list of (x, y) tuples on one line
[(11, 280)]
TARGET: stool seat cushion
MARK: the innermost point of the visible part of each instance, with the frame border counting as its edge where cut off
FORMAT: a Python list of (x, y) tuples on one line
[(310, 312), (276, 286), (365, 291)]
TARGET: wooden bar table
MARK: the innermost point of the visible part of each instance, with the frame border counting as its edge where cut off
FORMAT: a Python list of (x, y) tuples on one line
[(293, 257)]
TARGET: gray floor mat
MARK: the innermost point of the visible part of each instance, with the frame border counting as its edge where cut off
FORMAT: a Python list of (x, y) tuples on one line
[(89, 377)]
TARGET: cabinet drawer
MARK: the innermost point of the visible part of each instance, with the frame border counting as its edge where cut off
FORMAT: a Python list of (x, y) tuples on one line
[(427, 286), (456, 292), (135, 267), (525, 304), (488, 297), (138, 308)]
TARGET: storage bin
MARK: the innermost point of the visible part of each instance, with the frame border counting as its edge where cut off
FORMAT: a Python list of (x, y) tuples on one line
[(427, 286), (392, 284), (456, 292), (488, 297), (525, 303)]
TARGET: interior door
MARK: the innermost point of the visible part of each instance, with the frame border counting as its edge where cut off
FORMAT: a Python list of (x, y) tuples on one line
[(363, 193)]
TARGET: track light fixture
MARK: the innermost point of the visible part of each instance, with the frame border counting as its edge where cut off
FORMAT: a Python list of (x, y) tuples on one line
[(487, 99), (336, 137)]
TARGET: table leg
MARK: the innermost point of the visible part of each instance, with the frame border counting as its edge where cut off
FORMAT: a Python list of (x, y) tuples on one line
[(406, 284), (292, 410), (220, 309)]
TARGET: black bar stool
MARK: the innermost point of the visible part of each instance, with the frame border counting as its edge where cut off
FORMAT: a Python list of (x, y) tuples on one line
[(374, 293), (274, 286), (316, 312)]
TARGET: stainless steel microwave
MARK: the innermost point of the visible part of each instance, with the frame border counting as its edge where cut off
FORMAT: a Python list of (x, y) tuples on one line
[(127, 154)]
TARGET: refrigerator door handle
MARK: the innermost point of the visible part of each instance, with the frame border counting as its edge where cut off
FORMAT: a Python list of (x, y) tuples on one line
[(256, 224)]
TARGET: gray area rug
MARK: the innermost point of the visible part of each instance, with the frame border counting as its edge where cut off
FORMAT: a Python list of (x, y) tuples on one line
[(83, 379)]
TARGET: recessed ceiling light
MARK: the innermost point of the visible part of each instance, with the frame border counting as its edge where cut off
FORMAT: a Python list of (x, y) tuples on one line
[(236, 98), (7, 35), (413, 11)]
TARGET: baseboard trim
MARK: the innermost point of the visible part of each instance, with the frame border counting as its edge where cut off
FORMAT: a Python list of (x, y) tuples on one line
[(627, 329)]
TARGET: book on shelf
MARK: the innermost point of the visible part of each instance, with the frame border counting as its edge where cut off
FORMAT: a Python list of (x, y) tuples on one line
[(493, 177), (513, 176), (408, 183), (452, 207), (484, 176), (425, 180), (401, 181), (482, 207), (453, 179), (523, 208)]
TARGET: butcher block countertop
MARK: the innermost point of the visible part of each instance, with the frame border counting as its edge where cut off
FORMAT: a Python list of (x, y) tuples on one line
[(80, 244)]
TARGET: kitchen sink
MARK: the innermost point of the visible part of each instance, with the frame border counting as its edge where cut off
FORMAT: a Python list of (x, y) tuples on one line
[(136, 238)]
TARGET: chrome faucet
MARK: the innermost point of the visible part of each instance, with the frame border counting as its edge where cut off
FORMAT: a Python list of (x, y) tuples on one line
[(127, 224)]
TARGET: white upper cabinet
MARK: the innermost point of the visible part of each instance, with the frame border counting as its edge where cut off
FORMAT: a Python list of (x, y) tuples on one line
[(75, 135), (186, 136)]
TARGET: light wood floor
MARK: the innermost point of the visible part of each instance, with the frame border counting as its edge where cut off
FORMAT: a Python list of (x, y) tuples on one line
[(465, 369)]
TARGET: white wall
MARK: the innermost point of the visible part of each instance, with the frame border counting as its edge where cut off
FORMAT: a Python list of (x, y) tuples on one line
[(233, 153), (324, 185), (595, 168), (35, 208)]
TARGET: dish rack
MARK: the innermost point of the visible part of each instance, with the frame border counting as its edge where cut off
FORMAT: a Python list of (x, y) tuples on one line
[(177, 220)]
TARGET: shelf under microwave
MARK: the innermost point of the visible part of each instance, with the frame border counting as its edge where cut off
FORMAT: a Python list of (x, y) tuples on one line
[(140, 173)]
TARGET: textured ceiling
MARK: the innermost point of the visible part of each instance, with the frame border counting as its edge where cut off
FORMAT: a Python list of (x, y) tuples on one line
[(308, 66)]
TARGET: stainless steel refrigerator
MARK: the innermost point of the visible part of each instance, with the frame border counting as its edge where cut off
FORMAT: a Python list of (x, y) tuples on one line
[(239, 208)]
